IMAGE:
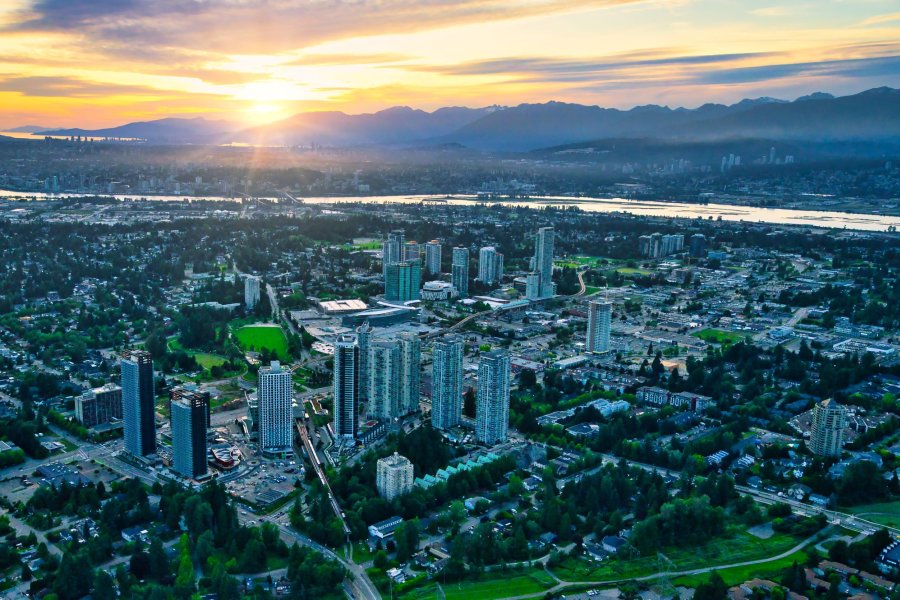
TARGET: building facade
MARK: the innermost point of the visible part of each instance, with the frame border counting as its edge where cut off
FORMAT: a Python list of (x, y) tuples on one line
[(346, 387), (189, 419), (492, 406), (543, 261), (402, 281), (826, 437), (138, 403), (490, 265), (275, 408), (99, 406), (410, 373), (384, 379), (433, 257), (392, 250), (459, 271), (447, 382), (599, 320), (251, 292), (394, 476), (363, 335)]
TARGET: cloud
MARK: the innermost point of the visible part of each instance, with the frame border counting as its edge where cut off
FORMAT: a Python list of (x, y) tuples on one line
[(265, 26), (324, 60), (880, 19), (852, 68), (71, 87)]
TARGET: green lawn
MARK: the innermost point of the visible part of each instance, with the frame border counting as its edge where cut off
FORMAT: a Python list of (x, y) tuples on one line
[(590, 289), (259, 337), (739, 546), (884, 513), (738, 575), (718, 336), (633, 271), (500, 585), (208, 361)]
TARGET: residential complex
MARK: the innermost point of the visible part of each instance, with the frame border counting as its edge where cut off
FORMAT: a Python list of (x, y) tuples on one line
[(492, 412), (394, 476), (276, 413), (138, 403)]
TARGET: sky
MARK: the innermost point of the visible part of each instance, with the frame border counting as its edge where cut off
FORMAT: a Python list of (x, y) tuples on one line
[(98, 63)]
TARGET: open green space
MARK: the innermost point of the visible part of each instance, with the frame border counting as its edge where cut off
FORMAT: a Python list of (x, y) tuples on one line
[(264, 337), (718, 336), (590, 289), (883, 513), (206, 360), (739, 546), (633, 271), (491, 585), (738, 575)]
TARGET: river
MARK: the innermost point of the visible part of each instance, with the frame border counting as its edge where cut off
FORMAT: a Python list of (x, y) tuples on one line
[(725, 212)]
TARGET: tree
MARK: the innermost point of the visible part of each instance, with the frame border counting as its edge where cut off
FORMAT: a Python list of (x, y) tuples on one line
[(380, 561), (104, 586), (407, 539), (714, 589)]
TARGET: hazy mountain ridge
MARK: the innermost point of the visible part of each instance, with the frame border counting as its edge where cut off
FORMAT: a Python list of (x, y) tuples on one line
[(873, 114)]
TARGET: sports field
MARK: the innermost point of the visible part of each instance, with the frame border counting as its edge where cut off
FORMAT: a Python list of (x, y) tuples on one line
[(256, 338)]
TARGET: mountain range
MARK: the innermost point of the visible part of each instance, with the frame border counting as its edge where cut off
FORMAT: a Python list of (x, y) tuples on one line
[(869, 115)]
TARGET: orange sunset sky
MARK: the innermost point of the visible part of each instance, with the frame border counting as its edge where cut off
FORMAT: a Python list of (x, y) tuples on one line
[(95, 63)]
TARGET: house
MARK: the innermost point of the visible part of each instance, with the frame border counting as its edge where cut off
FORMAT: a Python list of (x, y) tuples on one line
[(595, 551), (716, 458), (135, 534), (612, 543), (818, 499), (799, 491), (385, 529)]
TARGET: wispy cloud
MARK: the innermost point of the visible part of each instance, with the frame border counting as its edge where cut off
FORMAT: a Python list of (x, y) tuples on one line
[(880, 19)]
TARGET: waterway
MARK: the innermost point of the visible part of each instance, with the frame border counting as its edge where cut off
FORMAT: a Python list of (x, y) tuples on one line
[(725, 212)]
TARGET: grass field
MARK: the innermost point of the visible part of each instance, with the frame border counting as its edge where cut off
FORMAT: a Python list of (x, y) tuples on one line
[(206, 360), (739, 546), (737, 575), (502, 585), (718, 336), (590, 289), (884, 513), (633, 271), (259, 337)]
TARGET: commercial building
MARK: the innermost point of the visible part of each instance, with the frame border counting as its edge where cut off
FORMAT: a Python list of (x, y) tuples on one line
[(251, 292), (447, 382), (599, 319), (827, 434), (438, 290), (459, 271), (276, 413), (99, 406), (138, 403), (189, 419), (490, 265), (543, 260), (492, 406), (394, 476), (402, 281), (346, 387), (433, 257)]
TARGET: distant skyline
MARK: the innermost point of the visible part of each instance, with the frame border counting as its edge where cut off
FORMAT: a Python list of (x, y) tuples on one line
[(94, 63)]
